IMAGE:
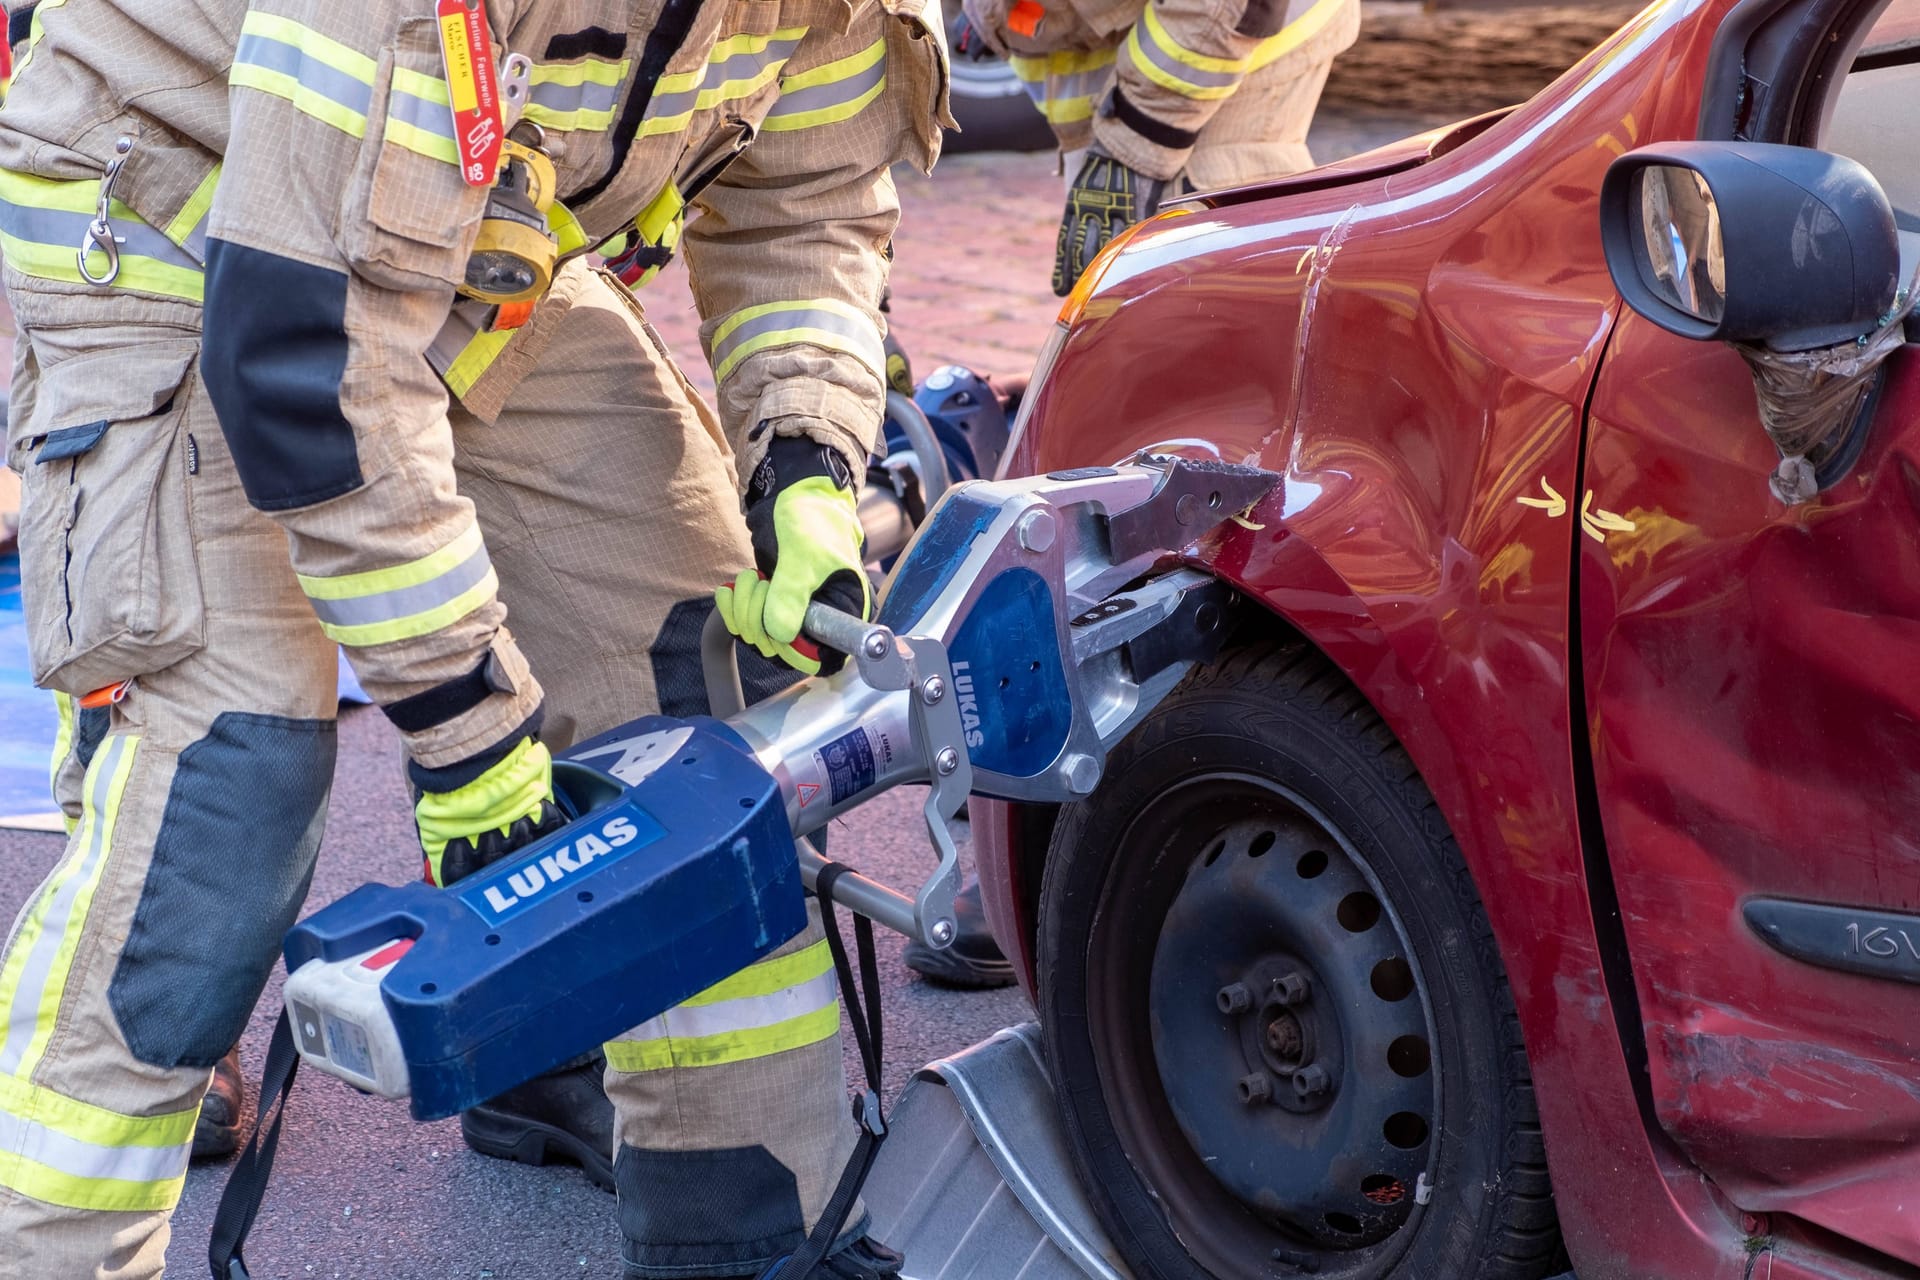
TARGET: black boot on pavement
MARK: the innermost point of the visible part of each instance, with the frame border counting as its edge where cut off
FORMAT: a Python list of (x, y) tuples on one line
[(563, 1117), (974, 961), (216, 1133)]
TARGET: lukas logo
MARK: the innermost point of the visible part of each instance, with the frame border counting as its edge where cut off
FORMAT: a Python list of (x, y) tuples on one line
[(969, 705), (584, 853)]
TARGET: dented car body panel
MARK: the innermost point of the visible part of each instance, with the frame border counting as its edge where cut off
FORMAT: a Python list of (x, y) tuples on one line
[(1535, 532)]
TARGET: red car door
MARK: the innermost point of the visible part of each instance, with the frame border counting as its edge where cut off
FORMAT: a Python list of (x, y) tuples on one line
[(1752, 696)]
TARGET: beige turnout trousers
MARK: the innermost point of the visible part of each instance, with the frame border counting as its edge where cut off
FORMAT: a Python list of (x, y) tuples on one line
[(607, 498)]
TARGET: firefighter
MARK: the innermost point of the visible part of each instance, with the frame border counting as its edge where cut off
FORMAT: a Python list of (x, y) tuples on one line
[(293, 375), (1152, 97)]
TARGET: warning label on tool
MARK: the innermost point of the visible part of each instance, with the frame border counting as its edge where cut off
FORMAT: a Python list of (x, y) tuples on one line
[(848, 763)]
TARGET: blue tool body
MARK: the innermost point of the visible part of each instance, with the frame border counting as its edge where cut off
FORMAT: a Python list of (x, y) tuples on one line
[(677, 870)]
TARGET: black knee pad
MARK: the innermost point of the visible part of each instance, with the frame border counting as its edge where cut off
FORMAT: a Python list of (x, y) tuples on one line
[(230, 869)]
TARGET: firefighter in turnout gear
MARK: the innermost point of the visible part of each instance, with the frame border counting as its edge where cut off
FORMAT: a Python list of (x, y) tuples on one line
[(1152, 97), (292, 375)]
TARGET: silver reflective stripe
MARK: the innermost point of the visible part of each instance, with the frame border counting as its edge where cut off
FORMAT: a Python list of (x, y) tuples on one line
[(32, 991), (1081, 84), (196, 242), (265, 52), (567, 98), (749, 1013), (862, 333), (80, 1159), (741, 66), (821, 96), (429, 117), (406, 602), (1143, 44), (69, 230)]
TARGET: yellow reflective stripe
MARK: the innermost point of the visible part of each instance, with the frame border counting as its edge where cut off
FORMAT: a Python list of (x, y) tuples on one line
[(1180, 53), (840, 69), (85, 1122), (313, 103), (380, 606), (35, 31), (148, 275), (62, 735), (430, 88), (69, 1191), (34, 981), (727, 91), (682, 81), (571, 120), (475, 358), (420, 142), (1143, 63), (195, 209), (1068, 62), (426, 622), (373, 582), (799, 334), (591, 71), (769, 976), (823, 115), (566, 229), (1296, 33), (310, 42), (732, 1046)]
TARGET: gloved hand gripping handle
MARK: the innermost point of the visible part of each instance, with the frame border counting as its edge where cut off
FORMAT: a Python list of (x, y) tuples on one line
[(1024, 631)]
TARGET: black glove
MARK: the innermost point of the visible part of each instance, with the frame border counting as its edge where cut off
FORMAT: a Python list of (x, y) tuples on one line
[(1105, 199)]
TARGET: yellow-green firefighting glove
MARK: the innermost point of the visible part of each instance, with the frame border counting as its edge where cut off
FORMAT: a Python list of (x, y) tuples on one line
[(807, 545), (507, 806), (1105, 199)]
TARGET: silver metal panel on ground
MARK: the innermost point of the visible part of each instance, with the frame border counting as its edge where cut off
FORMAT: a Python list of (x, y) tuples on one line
[(974, 1181)]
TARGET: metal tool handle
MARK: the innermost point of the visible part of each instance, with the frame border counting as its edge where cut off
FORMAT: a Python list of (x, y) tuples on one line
[(720, 665)]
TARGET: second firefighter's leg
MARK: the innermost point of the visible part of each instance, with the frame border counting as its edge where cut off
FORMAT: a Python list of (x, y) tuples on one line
[(610, 504)]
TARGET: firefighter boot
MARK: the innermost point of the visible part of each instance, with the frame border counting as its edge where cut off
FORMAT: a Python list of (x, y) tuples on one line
[(561, 1117), (216, 1133), (974, 960)]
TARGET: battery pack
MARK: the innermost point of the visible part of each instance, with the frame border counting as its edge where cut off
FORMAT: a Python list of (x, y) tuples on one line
[(677, 870)]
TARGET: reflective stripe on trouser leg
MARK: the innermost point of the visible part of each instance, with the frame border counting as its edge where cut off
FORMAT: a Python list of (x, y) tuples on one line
[(733, 1121)]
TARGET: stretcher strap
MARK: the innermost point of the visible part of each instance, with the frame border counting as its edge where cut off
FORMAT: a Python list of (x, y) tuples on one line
[(863, 1011), (247, 1184)]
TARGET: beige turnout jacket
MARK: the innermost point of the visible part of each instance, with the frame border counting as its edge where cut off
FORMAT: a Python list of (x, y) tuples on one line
[(292, 166)]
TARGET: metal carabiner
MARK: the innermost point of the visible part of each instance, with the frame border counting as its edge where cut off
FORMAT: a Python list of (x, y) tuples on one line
[(99, 234)]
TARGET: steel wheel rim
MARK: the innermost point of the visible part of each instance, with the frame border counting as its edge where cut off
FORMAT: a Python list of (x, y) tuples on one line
[(1227, 1232)]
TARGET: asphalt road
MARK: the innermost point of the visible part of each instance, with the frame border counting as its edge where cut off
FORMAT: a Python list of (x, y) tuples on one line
[(362, 1191)]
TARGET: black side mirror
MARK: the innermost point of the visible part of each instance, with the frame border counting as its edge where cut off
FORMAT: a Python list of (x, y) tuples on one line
[(1750, 242)]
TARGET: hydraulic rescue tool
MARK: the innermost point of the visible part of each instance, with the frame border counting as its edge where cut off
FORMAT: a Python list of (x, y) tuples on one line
[(1026, 628)]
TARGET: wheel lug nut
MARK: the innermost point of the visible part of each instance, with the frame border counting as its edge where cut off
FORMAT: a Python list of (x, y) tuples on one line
[(1283, 1036), (1311, 1080), (1257, 1087), (1293, 988), (1234, 998)]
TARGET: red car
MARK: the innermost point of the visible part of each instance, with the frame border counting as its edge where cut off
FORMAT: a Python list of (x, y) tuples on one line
[(1536, 884)]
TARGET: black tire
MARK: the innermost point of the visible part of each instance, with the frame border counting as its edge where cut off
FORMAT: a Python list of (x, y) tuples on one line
[(992, 109), (1136, 931)]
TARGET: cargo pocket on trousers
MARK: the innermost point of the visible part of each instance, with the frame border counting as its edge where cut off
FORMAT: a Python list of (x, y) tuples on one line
[(108, 566)]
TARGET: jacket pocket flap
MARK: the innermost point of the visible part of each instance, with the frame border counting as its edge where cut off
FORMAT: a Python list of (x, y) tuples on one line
[(100, 388)]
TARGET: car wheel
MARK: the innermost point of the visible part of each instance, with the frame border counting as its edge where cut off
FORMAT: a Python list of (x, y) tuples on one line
[(1274, 1008), (989, 102)]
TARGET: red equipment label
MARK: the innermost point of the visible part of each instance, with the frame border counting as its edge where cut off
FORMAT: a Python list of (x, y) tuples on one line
[(472, 88)]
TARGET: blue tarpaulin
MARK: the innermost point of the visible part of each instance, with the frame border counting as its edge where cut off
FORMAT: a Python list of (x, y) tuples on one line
[(27, 717)]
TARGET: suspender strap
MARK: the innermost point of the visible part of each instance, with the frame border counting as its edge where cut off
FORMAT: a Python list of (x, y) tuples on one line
[(247, 1184), (863, 1011)]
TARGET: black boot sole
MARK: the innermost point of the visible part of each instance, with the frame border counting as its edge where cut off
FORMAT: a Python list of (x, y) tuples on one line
[(946, 969), (505, 1137)]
